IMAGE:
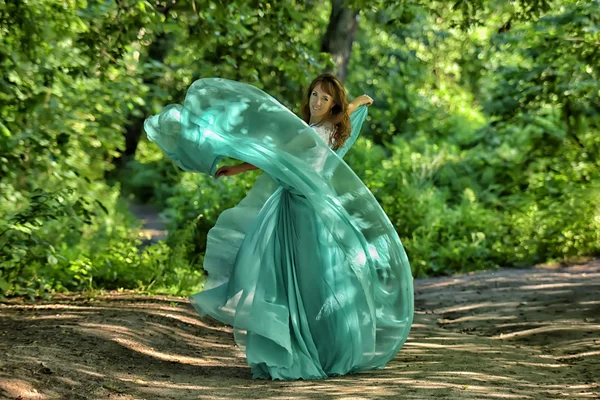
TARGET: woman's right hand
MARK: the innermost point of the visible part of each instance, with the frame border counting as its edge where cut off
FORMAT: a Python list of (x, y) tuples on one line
[(227, 170)]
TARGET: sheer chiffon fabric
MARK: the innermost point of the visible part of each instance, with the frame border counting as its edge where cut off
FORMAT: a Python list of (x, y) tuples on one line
[(307, 268)]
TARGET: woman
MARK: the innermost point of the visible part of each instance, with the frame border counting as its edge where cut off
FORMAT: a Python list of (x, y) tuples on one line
[(307, 269), (326, 109)]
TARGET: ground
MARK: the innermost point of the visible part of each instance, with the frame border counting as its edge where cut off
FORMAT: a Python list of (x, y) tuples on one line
[(522, 334)]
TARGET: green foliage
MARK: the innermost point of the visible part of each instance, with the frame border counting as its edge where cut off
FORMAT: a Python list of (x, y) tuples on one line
[(74, 76), (452, 214), (191, 202), (483, 144), (496, 162)]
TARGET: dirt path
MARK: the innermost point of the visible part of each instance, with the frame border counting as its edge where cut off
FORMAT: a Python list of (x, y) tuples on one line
[(510, 334), (154, 228)]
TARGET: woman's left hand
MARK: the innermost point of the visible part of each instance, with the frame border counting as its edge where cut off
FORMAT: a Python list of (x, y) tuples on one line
[(365, 100)]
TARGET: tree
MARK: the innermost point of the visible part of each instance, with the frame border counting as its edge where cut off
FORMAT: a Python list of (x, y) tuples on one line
[(340, 35)]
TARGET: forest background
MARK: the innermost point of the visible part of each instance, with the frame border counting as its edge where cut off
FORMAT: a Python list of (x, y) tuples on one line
[(482, 146)]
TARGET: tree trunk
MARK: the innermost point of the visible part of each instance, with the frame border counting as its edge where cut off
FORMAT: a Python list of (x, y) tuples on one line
[(341, 31)]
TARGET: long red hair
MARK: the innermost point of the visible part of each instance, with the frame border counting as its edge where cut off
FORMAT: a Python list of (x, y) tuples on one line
[(339, 112)]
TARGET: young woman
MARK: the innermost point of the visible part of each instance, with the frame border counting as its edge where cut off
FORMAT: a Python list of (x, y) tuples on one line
[(307, 269), (326, 109)]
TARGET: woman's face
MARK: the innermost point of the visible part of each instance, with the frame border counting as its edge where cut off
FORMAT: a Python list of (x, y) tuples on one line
[(320, 102)]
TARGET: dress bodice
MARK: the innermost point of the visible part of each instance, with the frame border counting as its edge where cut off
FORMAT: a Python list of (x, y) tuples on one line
[(325, 132)]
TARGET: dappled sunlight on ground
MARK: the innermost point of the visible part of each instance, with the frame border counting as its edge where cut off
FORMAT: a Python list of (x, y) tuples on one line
[(510, 334)]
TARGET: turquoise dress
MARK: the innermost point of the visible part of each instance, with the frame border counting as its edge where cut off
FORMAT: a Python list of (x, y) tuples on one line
[(307, 269)]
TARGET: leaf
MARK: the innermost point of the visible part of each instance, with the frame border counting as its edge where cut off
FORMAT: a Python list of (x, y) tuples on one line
[(4, 130), (4, 285), (52, 260)]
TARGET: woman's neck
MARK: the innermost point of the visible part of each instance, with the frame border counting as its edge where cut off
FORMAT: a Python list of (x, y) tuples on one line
[(315, 120)]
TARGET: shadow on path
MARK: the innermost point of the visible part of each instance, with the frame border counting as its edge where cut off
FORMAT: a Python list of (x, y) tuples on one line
[(526, 334)]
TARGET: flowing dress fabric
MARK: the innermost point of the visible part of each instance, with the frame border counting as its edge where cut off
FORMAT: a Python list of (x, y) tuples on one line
[(307, 269)]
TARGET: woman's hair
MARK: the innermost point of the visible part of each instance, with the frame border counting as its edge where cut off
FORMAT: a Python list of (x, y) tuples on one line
[(339, 112)]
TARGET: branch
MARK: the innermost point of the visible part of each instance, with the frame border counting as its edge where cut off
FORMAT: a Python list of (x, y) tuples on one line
[(572, 39)]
